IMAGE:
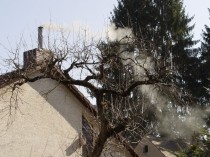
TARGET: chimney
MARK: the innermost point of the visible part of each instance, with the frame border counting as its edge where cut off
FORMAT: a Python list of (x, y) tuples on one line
[(40, 37), (37, 57)]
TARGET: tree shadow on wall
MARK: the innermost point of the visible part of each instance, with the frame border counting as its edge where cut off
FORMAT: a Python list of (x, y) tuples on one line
[(72, 148)]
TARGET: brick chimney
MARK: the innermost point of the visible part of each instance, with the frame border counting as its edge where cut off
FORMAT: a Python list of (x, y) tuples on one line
[(38, 56)]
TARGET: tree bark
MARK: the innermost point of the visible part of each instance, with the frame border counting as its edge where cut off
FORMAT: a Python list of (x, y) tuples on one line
[(99, 144)]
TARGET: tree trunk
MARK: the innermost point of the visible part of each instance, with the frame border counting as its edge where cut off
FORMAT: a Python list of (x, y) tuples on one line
[(103, 135), (99, 144)]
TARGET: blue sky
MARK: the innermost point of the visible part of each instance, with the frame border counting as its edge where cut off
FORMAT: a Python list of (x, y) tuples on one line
[(20, 18), (198, 9)]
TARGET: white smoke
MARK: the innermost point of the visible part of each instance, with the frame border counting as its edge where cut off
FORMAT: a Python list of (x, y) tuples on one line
[(173, 122), (74, 27), (183, 125), (75, 32), (84, 31), (118, 34)]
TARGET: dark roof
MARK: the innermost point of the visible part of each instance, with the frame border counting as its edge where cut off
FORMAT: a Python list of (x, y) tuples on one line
[(8, 78)]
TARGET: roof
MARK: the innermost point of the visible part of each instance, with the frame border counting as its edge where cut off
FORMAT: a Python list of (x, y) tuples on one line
[(13, 76), (167, 145), (8, 78)]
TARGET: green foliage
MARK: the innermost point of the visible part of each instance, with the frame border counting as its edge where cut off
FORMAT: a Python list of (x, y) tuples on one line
[(201, 146), (205, 61), (205, 46), (164, 24), (193, 151)]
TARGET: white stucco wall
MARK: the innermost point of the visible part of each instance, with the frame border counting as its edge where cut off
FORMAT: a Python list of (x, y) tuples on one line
[(44, 125), (153, 151), (45, 121)]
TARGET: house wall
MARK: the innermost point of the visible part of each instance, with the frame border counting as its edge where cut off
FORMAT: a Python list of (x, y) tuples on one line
[(153, 151), (44, 121)]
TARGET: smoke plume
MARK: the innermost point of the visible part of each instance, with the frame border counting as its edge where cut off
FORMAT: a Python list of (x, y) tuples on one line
[(118, 34), (174, 120)]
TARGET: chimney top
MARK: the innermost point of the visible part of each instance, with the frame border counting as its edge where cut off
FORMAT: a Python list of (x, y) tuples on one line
[(40, 37), (37, 57)]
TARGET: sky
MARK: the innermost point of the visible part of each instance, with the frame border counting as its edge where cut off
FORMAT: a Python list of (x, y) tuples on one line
[(198, 9), (20, 18)]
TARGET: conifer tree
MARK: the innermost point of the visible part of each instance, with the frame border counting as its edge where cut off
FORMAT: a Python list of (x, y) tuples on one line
[(205, 62), (165, 24)]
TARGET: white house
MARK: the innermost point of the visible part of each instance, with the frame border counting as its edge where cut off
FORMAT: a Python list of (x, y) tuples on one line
[(47, 119)]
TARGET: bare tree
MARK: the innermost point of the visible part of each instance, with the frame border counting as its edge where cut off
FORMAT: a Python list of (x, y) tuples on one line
[(111, 72)]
